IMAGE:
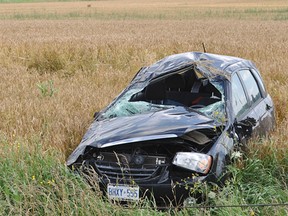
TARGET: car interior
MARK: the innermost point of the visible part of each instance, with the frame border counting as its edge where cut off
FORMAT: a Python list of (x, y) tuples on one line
[(185, 88)]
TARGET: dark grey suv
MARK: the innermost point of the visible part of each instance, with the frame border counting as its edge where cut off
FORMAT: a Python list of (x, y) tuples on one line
[(177, 123)]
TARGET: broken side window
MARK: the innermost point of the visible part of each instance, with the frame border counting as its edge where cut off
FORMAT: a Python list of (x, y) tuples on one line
[(216, 110)]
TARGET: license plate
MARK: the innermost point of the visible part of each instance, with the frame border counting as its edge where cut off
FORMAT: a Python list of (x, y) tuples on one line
[(123, 192)]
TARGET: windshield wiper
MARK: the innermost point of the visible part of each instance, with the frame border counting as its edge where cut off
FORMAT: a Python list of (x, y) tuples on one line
[(130, 111), (161, 106)]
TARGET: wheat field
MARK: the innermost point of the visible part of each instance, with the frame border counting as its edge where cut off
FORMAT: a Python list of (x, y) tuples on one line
[(59, 68), (149, 9), (91, 61)]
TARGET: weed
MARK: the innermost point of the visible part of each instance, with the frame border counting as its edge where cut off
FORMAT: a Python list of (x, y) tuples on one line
[(47, 88)]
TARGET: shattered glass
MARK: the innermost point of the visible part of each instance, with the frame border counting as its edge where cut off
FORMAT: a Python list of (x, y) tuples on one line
[(124, 107), (216, 110)]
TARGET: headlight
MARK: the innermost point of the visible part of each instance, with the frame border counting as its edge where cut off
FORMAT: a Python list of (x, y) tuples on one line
[(197, 162)]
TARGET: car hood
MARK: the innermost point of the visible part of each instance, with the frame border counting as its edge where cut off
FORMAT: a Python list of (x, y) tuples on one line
[(169, 123)]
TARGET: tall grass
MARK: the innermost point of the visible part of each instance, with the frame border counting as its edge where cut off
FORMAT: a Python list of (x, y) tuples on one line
[(56, 73), (187, 14), (34, 181), (144, 10)]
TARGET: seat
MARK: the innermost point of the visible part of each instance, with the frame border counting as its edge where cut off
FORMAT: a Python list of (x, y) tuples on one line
[(175, 83), (196, 86), (155, 92), (175, 90), (199, 83)]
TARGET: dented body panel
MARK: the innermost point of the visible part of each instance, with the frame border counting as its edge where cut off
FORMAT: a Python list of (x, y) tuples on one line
[(176, 123)]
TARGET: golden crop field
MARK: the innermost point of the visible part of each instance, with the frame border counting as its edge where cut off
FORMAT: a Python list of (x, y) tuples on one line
[(62, 61), (57, 70), (149, 9)]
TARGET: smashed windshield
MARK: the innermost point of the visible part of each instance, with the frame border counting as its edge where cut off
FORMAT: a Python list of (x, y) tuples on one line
[(123, 107), (154, 97)]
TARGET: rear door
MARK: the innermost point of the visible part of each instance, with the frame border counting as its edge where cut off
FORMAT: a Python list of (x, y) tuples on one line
[(258, 100), (241, 105)]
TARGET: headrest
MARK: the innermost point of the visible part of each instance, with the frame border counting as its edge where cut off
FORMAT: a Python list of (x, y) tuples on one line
[(155, 91), (175, 83)]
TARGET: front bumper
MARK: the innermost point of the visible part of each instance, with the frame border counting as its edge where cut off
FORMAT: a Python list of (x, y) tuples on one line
[(164, 194)]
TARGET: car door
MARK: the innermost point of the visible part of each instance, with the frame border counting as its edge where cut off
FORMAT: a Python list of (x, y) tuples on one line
[(265, 108), (242, 108), (258, 100)]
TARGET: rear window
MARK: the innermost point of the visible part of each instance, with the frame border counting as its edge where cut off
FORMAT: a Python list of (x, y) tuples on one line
[(259, 81), (239, 100), (250, 85)]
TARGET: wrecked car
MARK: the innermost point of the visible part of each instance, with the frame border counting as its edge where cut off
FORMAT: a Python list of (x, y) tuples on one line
[(176, 124)]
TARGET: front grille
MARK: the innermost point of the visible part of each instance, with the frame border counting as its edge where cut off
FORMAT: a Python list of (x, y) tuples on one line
[(129, 167)]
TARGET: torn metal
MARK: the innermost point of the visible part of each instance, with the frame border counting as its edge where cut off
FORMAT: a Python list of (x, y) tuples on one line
[(174, 120)]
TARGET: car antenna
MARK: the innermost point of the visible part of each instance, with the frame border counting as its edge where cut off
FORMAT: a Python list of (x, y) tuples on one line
[(203, 45)]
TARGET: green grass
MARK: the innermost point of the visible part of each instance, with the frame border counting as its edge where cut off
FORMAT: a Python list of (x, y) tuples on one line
[(34, 181), (183, 14)]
